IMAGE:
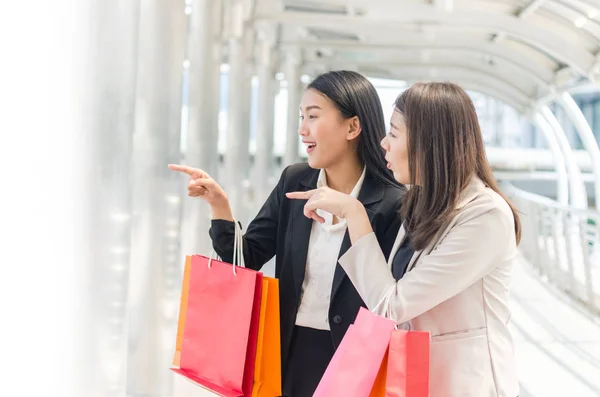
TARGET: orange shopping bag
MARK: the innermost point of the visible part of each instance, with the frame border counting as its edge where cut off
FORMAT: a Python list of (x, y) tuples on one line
[(185, 289), (380, 382), (267, 367)]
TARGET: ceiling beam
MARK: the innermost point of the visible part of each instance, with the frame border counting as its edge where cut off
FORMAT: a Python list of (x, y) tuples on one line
[(542, 75), (532, 7), (501, 88), (520, 83), (547, 41)]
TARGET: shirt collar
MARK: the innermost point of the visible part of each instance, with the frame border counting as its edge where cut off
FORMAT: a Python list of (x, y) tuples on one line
[(322, 181)]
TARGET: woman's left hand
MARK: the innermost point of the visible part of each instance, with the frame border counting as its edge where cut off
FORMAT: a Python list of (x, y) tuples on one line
[(326, 199)]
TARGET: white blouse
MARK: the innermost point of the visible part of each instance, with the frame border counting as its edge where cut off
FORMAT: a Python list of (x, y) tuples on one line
[(321, 260)]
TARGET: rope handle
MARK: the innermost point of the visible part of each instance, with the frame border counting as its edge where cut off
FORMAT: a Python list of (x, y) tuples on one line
[(385, 303), (238, 249)]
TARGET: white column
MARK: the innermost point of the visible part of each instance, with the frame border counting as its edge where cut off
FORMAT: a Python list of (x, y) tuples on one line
[(155, 227), (235, 118), (292, 75), (102, 337), (577, 194), (587, 137), (562, 181), (263, 159), (203, 133), (246, 92)]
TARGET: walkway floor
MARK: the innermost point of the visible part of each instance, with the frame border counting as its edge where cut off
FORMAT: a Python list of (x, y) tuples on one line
[(557, 345)]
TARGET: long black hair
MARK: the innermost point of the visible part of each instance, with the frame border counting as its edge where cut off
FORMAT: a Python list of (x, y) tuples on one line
[(354, 95)]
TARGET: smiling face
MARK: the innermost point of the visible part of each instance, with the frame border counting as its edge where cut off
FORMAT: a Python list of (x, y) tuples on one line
[(396, 148), (328, 136)]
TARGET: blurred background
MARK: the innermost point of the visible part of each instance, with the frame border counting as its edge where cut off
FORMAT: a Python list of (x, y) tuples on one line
[(98, 96)]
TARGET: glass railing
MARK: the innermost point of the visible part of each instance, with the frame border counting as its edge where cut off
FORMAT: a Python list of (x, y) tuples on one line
[(562, 243)]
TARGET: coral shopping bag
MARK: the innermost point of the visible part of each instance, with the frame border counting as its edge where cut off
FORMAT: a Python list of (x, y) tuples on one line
[(220, 328), (408, 365), (357, 360)]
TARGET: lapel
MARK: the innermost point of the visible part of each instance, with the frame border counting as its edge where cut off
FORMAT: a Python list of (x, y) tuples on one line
[(370, 194), (301, 227), (397, 244)]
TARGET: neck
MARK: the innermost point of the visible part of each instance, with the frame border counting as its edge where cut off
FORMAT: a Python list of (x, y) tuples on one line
[(344, 175)]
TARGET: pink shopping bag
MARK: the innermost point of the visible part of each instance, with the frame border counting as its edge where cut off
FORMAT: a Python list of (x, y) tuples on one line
[(357, 360)]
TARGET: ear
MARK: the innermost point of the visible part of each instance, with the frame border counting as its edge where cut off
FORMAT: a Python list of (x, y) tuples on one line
[(354, 128)]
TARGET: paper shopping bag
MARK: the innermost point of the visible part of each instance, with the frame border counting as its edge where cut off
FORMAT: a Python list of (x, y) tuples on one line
[(365, 343), (408, 364), (182, 310), (378, 389), (267, 370), (221, 327)]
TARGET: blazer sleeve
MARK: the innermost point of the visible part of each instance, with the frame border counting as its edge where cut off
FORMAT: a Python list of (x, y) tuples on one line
[(260, 239), (469, 251)]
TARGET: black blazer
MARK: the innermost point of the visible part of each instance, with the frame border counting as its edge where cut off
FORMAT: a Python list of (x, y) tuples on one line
[(281, 229)]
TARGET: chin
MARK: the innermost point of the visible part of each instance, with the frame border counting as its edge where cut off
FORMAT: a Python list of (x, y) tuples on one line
[(314, 163), (399, 178)]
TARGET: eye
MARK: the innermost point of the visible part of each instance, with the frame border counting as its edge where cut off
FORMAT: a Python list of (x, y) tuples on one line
[(391, 134), (301, 118), (312, 116)]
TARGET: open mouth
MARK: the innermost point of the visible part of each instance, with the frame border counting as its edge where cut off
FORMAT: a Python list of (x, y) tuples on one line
[(310, 146)]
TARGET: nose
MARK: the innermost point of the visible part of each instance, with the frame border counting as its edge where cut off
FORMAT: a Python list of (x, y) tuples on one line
[(384, 144), (302, 130)]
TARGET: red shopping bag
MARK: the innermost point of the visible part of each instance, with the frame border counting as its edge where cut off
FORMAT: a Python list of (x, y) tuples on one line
[(221, 327), (408, 365), (357, 360)]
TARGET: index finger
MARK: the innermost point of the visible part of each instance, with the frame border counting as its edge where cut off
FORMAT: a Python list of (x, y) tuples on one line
[(301, 195), (185, 169)]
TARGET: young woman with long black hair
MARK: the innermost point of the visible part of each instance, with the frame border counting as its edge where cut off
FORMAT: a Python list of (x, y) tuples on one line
[(341, 125)]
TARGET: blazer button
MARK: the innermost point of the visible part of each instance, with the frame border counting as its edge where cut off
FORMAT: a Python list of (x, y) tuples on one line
[(337, 319), (404, 326)]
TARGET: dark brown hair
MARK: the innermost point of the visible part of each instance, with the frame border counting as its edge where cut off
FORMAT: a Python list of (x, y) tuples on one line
[(445, 150)]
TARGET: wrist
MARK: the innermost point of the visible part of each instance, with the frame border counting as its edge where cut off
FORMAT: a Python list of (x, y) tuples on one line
[(353, 209), (221, 210), (358, 221)]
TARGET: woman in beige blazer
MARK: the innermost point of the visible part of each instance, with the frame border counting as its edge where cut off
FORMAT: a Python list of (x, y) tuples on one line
[(464, 234)]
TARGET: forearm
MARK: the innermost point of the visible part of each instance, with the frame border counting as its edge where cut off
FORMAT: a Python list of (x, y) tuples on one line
[(358, 222), (221, 211)]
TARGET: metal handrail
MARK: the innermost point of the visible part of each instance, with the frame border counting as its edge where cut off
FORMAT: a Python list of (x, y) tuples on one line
[(562, 243)]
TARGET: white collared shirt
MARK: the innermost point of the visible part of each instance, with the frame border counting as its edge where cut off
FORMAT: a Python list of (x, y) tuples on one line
[(321, 261)]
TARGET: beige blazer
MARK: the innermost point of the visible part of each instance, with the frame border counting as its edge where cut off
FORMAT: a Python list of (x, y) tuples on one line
[(457, 288)]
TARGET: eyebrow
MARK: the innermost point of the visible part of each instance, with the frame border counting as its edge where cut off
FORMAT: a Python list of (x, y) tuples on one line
[(310, 107), (394, 127)]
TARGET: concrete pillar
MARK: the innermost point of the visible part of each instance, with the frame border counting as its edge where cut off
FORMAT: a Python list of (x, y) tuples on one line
[(202, 140), (235, 108), (155, 225), (102, 338), (264, 159), (292, 75)]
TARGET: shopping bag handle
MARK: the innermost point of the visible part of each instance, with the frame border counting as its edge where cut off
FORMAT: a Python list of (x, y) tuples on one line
[(238, 249), (385, 305)]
